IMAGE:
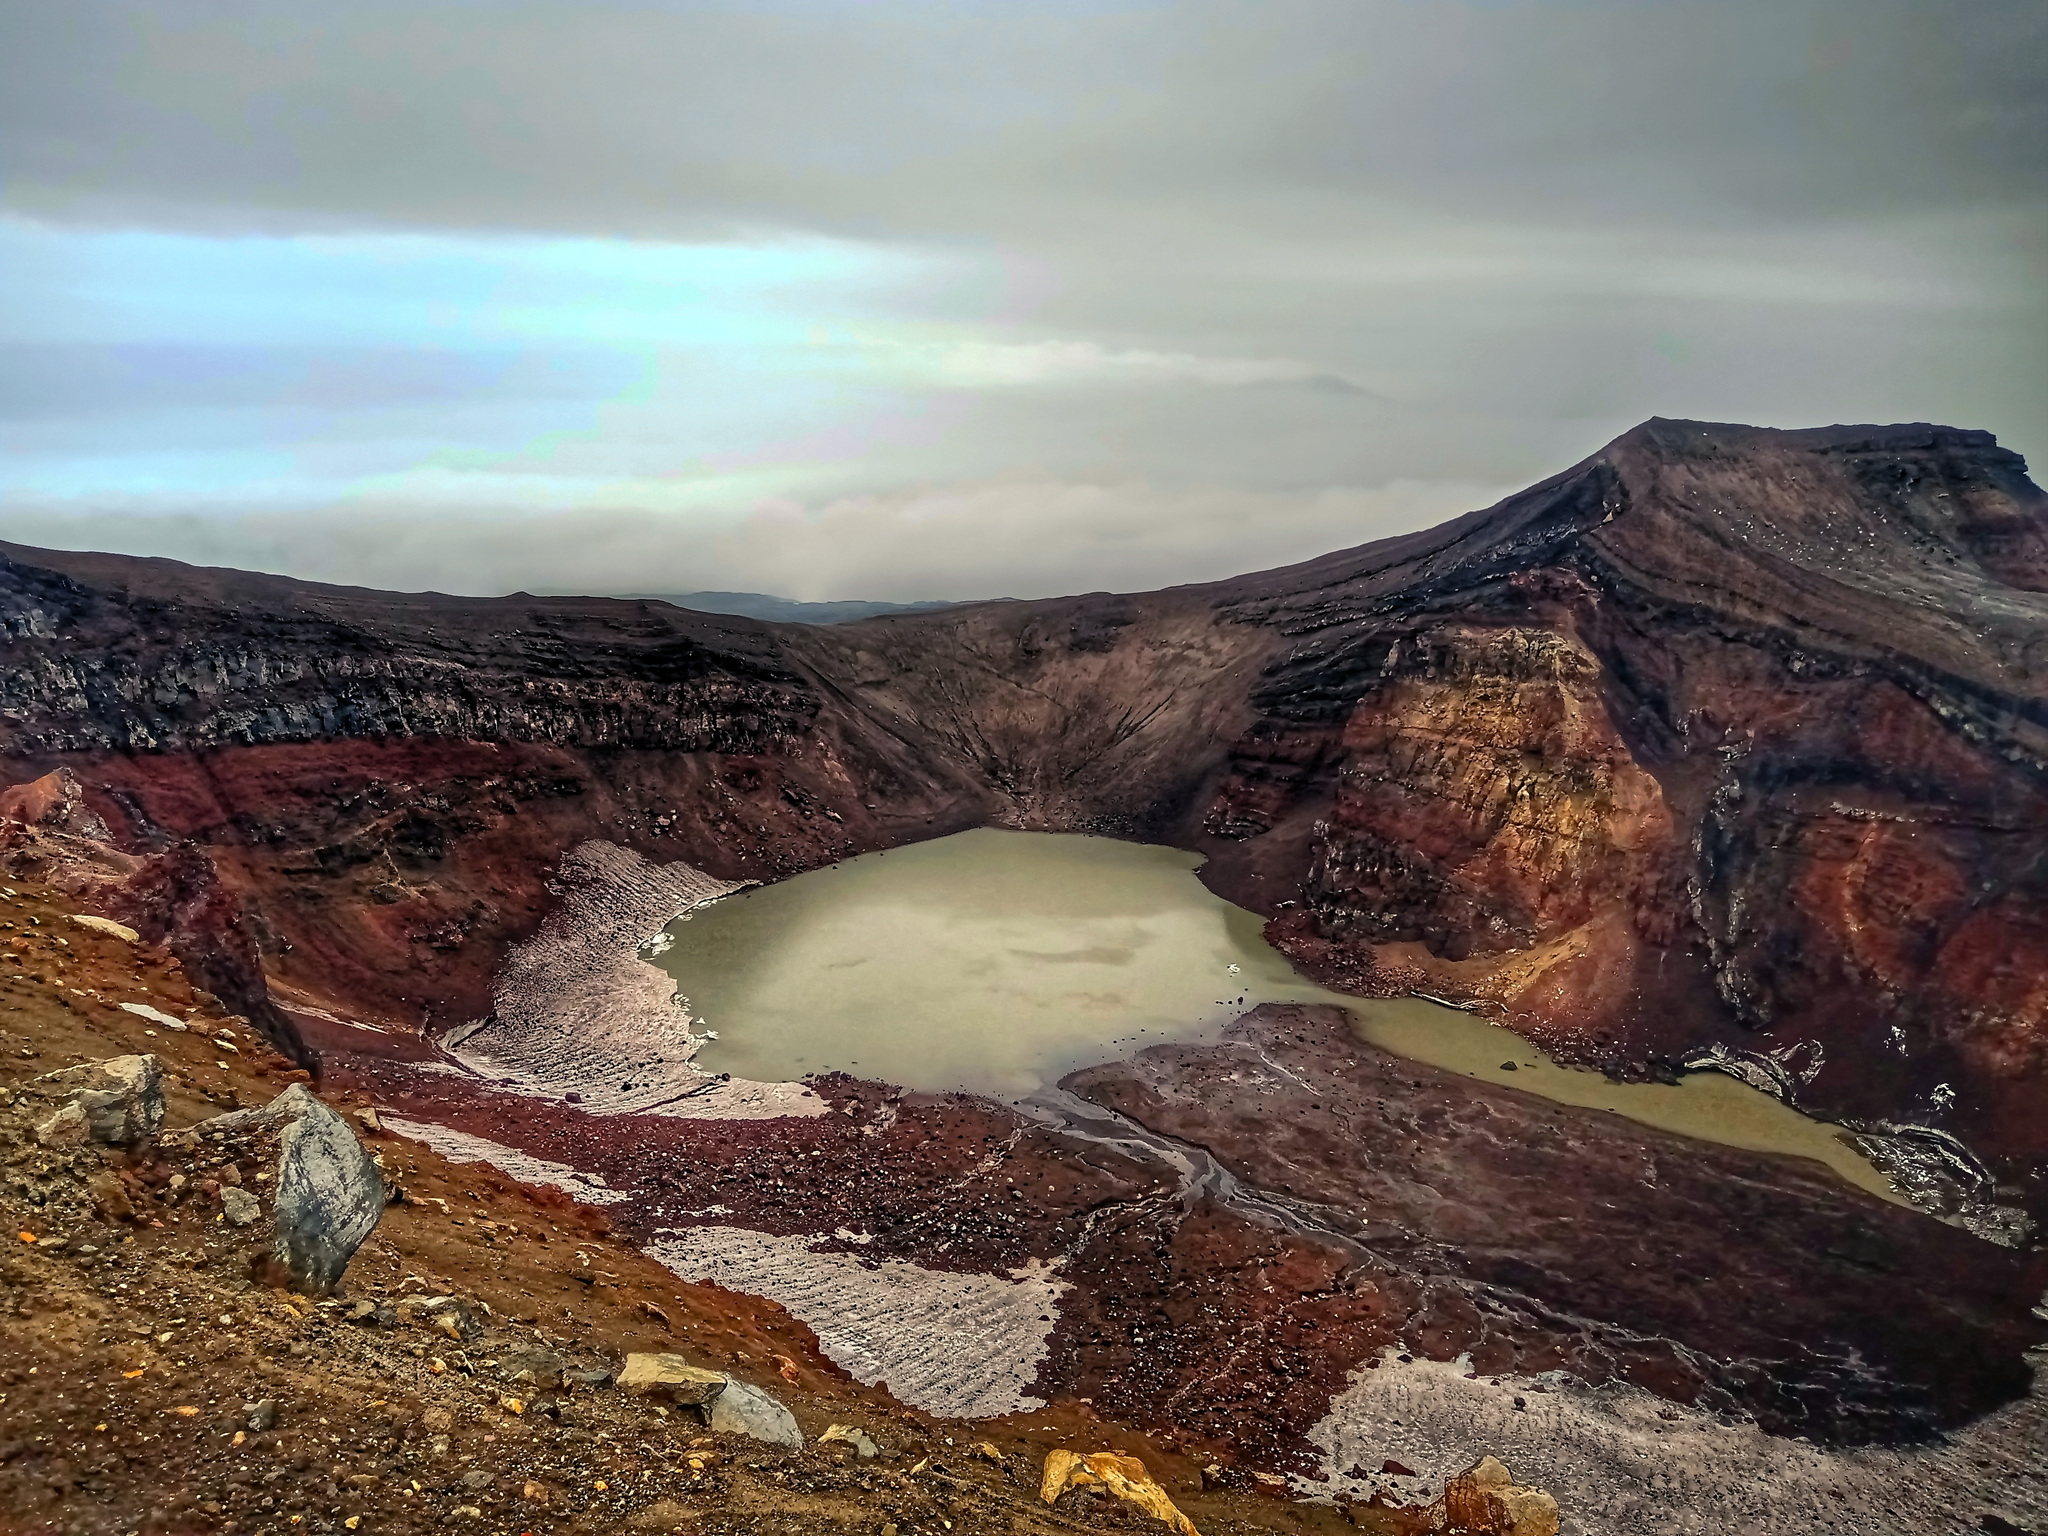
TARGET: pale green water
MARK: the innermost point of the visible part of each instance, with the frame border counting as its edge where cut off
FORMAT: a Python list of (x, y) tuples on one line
[(996, 962)]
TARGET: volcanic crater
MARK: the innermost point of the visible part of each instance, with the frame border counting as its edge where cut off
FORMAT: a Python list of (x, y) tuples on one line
[(1724, 750)]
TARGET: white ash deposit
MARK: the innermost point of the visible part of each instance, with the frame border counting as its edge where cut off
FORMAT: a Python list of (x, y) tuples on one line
[(578, 1014), (961, 1346), (1623, 1462), (462, 1147)]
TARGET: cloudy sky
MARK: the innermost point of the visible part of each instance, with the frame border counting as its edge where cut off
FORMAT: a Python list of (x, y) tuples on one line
[(895, 299)]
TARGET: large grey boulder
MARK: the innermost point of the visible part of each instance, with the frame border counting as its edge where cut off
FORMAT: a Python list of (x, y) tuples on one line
[(329, 1191), (744, 1410), (114, 1103)]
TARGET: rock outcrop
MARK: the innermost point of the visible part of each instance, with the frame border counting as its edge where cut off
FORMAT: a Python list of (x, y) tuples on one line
[(1482, 1500), (173, 896)]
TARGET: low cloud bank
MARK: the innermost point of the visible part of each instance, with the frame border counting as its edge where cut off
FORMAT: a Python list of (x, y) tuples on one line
[(987, 539)]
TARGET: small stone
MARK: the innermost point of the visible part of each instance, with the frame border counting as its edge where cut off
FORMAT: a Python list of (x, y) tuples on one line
[(262, 1414), (466, 1512), (239, 1206), (476, 1481), (532, 1367), (534, 1493), (369, 1119), (847, 1434)]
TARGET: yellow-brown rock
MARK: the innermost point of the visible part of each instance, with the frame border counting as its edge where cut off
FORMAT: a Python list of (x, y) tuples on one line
[(1485, 1500), (1124, 1476)]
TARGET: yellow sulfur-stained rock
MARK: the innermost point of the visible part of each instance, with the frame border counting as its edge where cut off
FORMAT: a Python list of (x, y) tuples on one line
[(107, 926), (670, 1377), (1124, 1476), (1485, 1500)]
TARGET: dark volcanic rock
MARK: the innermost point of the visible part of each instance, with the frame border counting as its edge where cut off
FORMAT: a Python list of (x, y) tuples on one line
[(1473, 1218), (328, 1192)]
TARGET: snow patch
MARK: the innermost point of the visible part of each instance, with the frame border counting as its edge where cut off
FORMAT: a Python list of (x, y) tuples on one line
[(154, 1015), (1622, 1461), (462, 1147), (959, 1346), (577, 1009)]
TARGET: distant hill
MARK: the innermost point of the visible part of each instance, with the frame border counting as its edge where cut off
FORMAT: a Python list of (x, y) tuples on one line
[(782, 610)]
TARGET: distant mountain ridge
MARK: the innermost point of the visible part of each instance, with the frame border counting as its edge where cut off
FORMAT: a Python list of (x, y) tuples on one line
[(783, 610)]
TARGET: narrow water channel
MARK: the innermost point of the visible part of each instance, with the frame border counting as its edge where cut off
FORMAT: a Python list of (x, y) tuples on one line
[(996, 962)]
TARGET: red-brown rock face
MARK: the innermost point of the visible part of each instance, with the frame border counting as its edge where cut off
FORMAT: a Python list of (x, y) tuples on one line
[(1725, 736), (1486, 802)]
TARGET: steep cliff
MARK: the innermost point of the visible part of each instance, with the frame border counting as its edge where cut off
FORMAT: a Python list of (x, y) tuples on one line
[(1725, 737)]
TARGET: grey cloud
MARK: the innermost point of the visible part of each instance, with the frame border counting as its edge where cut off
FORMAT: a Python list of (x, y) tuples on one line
[(1466, 240), (945, 121), (42, 380)]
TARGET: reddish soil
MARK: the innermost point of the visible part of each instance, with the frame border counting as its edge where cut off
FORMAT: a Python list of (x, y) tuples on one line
[(1420, 1210)]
